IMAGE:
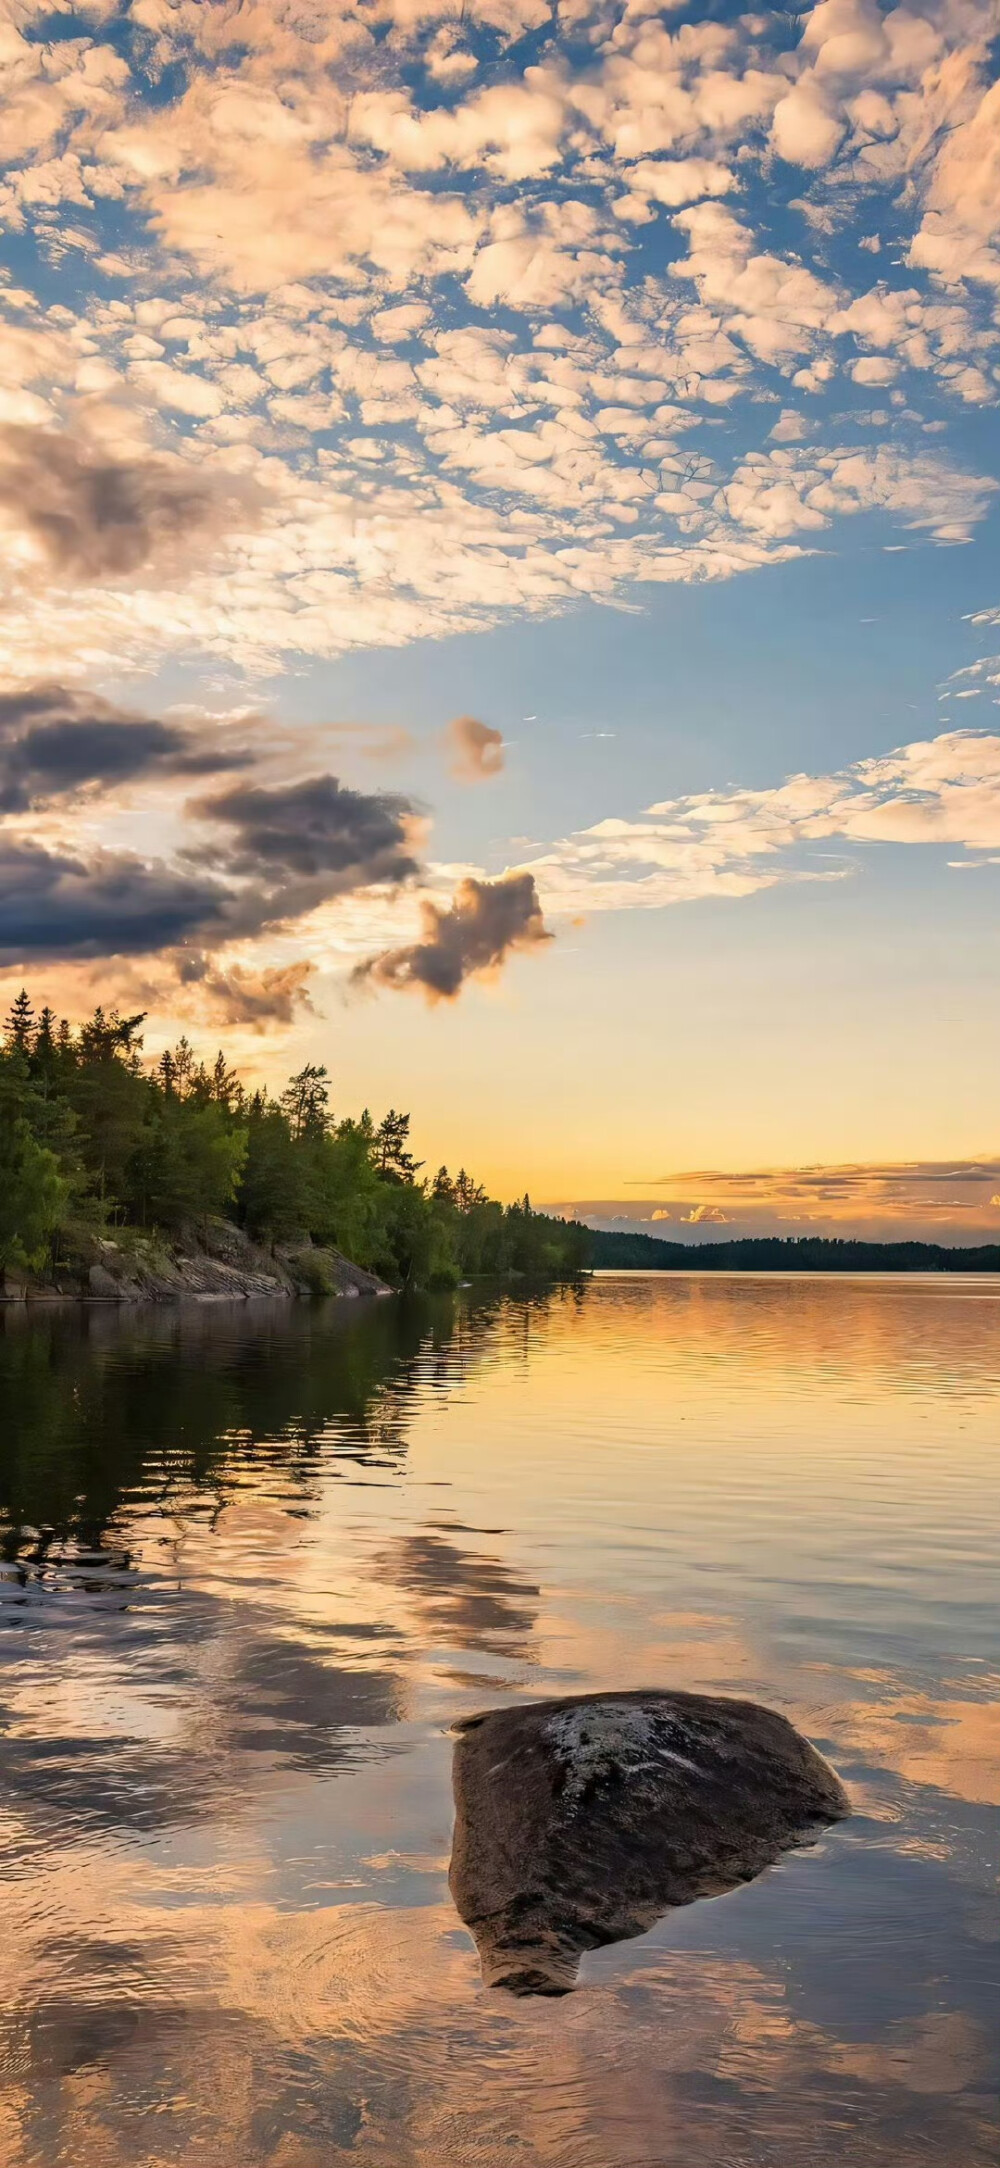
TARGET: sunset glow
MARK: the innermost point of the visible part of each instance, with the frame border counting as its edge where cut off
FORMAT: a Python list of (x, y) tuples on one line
[(499, 516)]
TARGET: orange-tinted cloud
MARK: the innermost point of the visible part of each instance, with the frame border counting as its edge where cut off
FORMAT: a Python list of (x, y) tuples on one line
[(475, 749)]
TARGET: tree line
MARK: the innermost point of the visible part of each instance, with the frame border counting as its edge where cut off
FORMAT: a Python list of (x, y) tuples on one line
[(93, 1137), (786, 1253)]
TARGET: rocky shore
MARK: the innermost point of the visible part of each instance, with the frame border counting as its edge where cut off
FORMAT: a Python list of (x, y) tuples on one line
[(215, 1263)]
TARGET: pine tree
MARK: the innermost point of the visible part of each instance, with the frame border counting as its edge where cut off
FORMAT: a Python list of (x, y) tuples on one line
[(467, 1192), (45, 1035), (20, 1023), (305, 1102), (225, 1084), (392, 1158), (183, 1067)]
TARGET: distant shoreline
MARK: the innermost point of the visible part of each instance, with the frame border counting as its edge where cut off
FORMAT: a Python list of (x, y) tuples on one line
[(803, 1254)]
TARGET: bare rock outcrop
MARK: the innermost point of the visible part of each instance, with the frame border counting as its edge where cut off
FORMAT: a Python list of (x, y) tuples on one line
[(580, 1822), (213, 1262)]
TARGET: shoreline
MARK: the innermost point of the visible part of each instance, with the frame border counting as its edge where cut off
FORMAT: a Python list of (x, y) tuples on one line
[(219, 1263)]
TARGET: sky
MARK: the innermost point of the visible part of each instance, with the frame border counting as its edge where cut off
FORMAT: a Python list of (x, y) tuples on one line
[(501, 593)]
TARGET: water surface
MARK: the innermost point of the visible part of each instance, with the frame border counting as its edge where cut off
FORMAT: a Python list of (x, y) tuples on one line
[(258, 1559)]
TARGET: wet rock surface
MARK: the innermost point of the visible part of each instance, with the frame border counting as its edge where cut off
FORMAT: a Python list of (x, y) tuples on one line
[(580, 1822)]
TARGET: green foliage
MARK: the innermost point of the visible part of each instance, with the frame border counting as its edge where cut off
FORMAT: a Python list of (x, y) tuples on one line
[(90, 1135), (312, 1272), (305, 1103), (33, 1194), (188, 1163), (786, 1253)]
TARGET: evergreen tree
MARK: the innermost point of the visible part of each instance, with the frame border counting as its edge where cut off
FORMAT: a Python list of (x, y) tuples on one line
[(272, 1200), (467, 1192), (187, 1164), (394, 1160), (32, 1192), (183, 1059), (305, 1102), (19, 1027), (225, 1084), (45, 1035), (87, 1134)]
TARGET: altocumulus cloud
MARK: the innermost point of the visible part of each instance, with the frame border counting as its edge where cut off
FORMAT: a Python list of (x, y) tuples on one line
[(553, 265), (471, 939)]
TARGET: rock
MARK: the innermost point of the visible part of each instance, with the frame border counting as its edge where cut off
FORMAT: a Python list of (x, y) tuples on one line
[(213, 1262), (579, 1822)]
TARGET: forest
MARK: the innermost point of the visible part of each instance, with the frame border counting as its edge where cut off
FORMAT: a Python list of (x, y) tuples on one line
[(93, 1137), (785, 1253)]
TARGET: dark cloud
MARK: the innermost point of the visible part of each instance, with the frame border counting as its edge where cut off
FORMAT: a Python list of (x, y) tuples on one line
[(56, 905), (257, 1000), (54, 740), (484, 923), (279, 853), (475, 749), (317, 830), (94, 516)]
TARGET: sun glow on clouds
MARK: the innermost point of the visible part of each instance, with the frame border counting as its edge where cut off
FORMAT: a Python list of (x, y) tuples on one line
[(924, 1200), (353, 325), (943, 790), (425, 320)]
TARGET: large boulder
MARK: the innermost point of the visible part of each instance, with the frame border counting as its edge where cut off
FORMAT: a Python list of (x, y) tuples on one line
[(579, 1822)]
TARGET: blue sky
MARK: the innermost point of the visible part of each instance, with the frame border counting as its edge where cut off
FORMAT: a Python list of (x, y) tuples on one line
[(497, 448)]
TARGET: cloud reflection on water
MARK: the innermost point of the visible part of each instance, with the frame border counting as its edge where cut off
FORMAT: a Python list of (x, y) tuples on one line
[(225, 1807)]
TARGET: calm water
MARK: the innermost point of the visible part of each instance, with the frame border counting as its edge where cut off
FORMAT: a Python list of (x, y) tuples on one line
[(258, 1561)]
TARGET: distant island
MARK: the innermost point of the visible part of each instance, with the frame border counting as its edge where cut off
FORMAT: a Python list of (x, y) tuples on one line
[(122, 1179), (776, 1253)]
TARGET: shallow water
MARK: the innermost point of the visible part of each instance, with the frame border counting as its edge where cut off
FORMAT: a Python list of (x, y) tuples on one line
[(259, 1559)]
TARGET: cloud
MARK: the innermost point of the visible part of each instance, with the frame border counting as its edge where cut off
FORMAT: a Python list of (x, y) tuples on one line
[(317, 830), (252, 857), (943, 790), (55, 904), (958, 234), (932, 1187), (87, 515), (919, 1200), (408, 403), (476, 750), (471, 939), (55, 741), (259, 1001)]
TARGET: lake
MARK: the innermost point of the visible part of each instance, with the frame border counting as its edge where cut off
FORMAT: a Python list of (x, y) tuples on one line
[(258, 1559)]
